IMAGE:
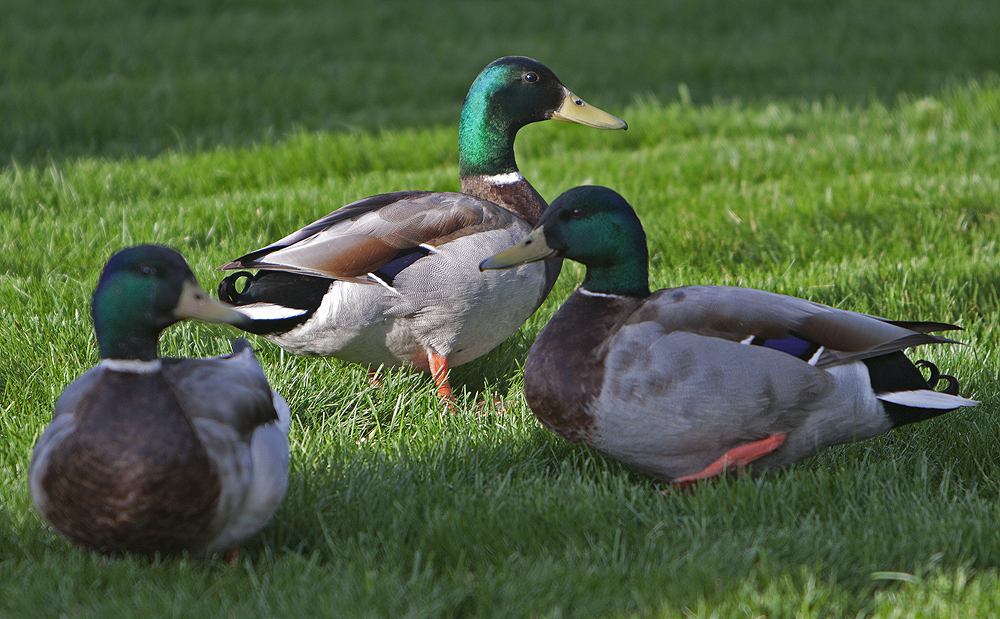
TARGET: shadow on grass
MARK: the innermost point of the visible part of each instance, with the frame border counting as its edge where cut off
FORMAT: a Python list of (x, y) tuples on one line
[(589, 531)]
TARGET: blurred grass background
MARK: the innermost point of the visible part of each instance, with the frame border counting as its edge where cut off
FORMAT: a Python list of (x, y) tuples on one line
[(123, 77)]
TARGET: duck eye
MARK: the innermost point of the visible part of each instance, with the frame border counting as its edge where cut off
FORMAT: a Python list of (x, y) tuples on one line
[(147, 270), (531, 77), (576, 213)]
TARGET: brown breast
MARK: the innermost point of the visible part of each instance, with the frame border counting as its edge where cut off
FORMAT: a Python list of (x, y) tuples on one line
[(519, 197), (564, 372), (133, 477)]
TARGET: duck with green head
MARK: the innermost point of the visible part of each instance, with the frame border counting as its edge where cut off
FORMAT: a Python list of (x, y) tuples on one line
[(685, 383), (147, 454), (391, 280)]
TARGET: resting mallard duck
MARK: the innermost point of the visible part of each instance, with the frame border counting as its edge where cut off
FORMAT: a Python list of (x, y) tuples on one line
[(391, 280), (684, 383), (148, 454)]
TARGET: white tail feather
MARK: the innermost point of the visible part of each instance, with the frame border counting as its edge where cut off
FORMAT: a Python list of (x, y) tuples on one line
[(925, 398), (269, 311)]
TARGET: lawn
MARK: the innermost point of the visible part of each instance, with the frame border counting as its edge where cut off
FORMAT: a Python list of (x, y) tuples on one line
[(841, 152)]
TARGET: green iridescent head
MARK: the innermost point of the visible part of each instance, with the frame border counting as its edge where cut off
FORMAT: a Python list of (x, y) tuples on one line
[(510, 93), (596, 227), (143, 290)]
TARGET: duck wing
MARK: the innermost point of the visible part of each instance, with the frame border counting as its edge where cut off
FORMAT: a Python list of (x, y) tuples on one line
[(365, 236), (697, 371), (231, 390), (821, 335), (68, 401)]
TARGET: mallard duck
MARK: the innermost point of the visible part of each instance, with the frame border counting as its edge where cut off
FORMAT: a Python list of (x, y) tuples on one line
[(391, 280), (685, 383), (158, 455)]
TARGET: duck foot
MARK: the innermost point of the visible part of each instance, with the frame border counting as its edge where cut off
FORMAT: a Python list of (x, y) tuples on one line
[(736, 458), (439, 372), (231, 556)]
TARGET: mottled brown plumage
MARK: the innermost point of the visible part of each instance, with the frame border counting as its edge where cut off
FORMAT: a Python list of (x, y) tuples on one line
[(364, 236), (132, 477)]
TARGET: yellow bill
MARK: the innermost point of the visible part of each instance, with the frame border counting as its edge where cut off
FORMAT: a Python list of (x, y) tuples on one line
[(576, 110), (531, 249), (196, 304)]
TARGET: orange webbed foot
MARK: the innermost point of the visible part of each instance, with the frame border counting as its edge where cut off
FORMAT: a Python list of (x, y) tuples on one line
[(736, 458), (439, 372)]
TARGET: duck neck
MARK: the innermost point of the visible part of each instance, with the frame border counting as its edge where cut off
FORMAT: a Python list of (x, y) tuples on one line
[(485, 138), (123, 339), (510, 191), (629, 278), (486, 162), (129, 347)]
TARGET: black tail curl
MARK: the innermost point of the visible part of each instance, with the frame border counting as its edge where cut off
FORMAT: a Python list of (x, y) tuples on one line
[(303, 292), (894, 372), (936, 377), (229, 288)]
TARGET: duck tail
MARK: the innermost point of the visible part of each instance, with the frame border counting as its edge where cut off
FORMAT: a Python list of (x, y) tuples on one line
[(275, 301), (230, 290), (906, 395), (925, 326)]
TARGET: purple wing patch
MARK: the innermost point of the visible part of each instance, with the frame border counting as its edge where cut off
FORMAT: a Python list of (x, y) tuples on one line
[(402, 260), (791, 345)]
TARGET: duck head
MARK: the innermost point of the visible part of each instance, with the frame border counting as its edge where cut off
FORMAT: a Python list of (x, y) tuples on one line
[(596, 227), (143, 290), (510, 93)]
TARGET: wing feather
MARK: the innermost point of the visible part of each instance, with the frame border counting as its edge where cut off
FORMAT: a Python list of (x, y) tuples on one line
[(756, 316), (364, 236), (242, 396)]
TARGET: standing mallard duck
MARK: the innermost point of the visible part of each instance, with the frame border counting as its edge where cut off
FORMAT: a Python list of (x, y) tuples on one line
[(148, 454), (391, 279), (684, 383)]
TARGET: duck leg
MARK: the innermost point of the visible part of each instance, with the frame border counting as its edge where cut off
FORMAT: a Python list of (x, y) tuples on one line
[(737, 457), (439, 372)]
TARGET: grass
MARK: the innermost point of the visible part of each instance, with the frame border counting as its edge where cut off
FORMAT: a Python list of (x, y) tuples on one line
[(860, 173), (143, 76)]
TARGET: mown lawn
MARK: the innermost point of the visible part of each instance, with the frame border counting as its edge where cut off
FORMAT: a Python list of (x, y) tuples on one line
[(842, 152)]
